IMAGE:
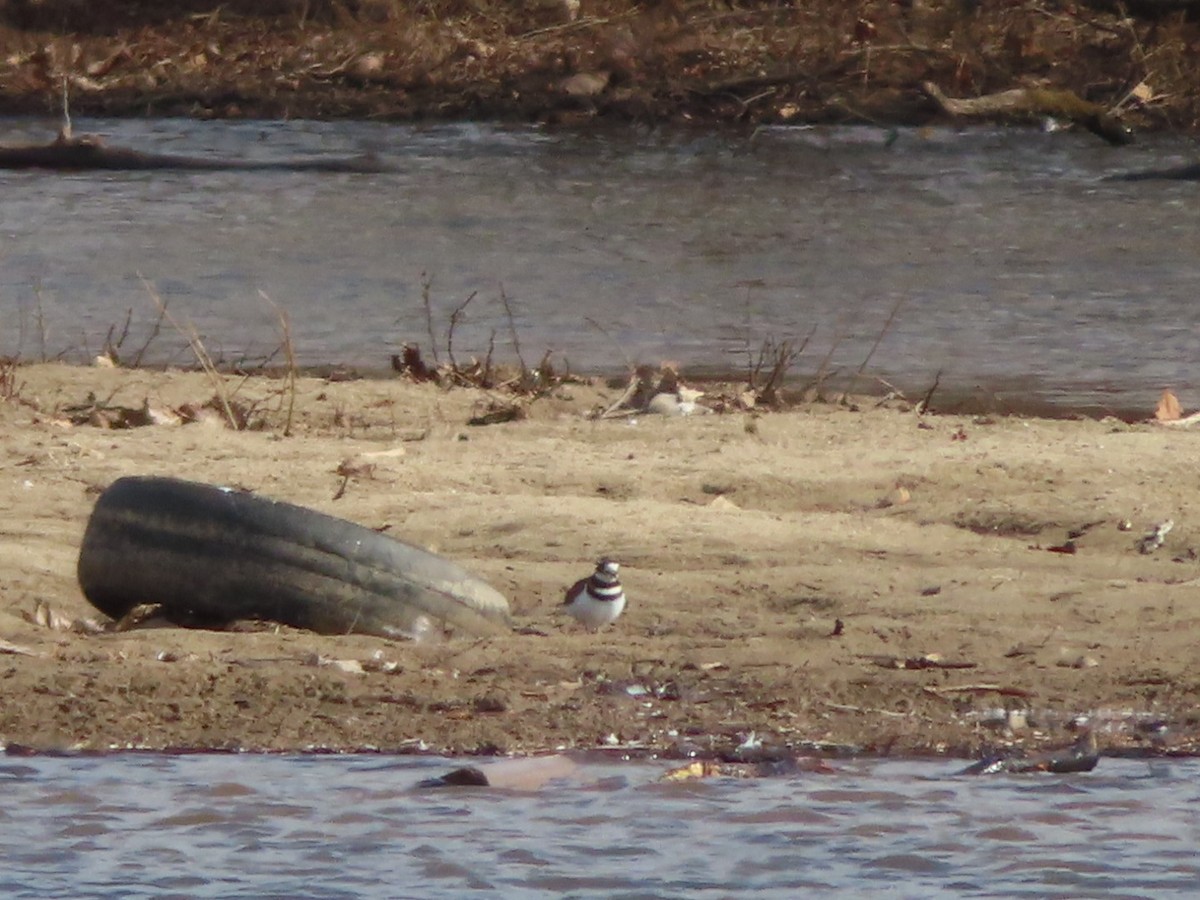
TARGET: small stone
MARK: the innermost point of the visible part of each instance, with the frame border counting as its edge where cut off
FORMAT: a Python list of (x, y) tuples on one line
[(367, 66), (585, 84), (1085, 662), (898, 496)]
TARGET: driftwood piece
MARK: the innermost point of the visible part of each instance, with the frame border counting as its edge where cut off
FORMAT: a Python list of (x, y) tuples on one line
[(1179, 173), (1146, 9), (1033, 102), (17, 649), (1081, 756), (71, 154), (928, 661), (978, 689)]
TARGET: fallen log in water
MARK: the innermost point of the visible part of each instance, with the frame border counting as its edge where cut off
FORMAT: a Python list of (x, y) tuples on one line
[(1180, 173), (71, 154), (1034, 102), (1081, 756), (1147, 9)]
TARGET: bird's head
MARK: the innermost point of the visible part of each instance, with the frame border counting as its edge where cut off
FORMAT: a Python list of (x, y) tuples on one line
[(608, 566)]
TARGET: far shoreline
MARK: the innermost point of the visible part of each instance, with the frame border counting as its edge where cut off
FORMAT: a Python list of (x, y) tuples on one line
[(575, 61)]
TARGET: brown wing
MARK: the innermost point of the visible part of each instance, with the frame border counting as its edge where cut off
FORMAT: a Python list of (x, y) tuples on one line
[(575, 590)]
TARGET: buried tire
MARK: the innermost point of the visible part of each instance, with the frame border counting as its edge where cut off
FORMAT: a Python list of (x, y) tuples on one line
[(213, 554)]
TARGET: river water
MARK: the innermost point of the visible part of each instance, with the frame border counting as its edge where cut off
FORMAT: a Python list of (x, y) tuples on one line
[(1008, 262), (145, 825)]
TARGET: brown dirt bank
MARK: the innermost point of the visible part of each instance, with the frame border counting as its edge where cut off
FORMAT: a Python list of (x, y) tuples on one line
[(578, 60), (744, 541)]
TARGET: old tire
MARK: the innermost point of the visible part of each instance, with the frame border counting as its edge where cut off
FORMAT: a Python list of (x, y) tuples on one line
[(215, 554)]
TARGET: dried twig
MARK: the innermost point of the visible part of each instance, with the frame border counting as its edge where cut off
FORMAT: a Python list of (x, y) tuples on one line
[(486, 378), (484, 373), (824, 373), (979, 689), (577, 24), (17, 649), (619, 406), (289, 354), (64, 132), (10, 387), (512, 331), (426, 291), (456, 316), (199, 351), (923, 406), (781, 356), (154, 332), (887, 326), (40, 315), (112, 349), (928, 661), (629, 364), (846, 707)]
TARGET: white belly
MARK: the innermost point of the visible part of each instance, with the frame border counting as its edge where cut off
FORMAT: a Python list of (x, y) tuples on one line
[(593, 613)]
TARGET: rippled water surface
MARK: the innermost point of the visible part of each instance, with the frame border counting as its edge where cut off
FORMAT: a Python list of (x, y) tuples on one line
[(334, 827), (1008, 261)]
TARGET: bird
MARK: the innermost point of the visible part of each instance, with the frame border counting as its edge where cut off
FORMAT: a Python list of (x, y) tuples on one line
[(599, 599)]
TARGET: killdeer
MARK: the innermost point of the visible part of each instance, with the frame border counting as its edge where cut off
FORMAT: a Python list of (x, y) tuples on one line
[(597, 600)]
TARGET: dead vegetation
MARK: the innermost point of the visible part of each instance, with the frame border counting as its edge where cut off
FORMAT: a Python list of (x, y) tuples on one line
[(263, 397), (223, 411), (770, 381), (511, 388), (769, 368), (10, 382), (242, 398), (572, 60)]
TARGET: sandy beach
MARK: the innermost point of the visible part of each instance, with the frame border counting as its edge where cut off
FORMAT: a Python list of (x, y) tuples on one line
[(835, 575)]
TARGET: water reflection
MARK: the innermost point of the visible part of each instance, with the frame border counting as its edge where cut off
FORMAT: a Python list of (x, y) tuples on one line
[(332, 827)]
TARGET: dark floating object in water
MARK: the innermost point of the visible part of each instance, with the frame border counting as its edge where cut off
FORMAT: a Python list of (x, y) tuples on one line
[(1147, 9), (1081, 756), (89, 153), (467, 776), (1179, 173), (526, 774)]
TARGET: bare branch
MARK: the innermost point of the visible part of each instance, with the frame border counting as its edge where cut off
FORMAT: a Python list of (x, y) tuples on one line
[(456, 317), (426, 290), (199, 351)]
